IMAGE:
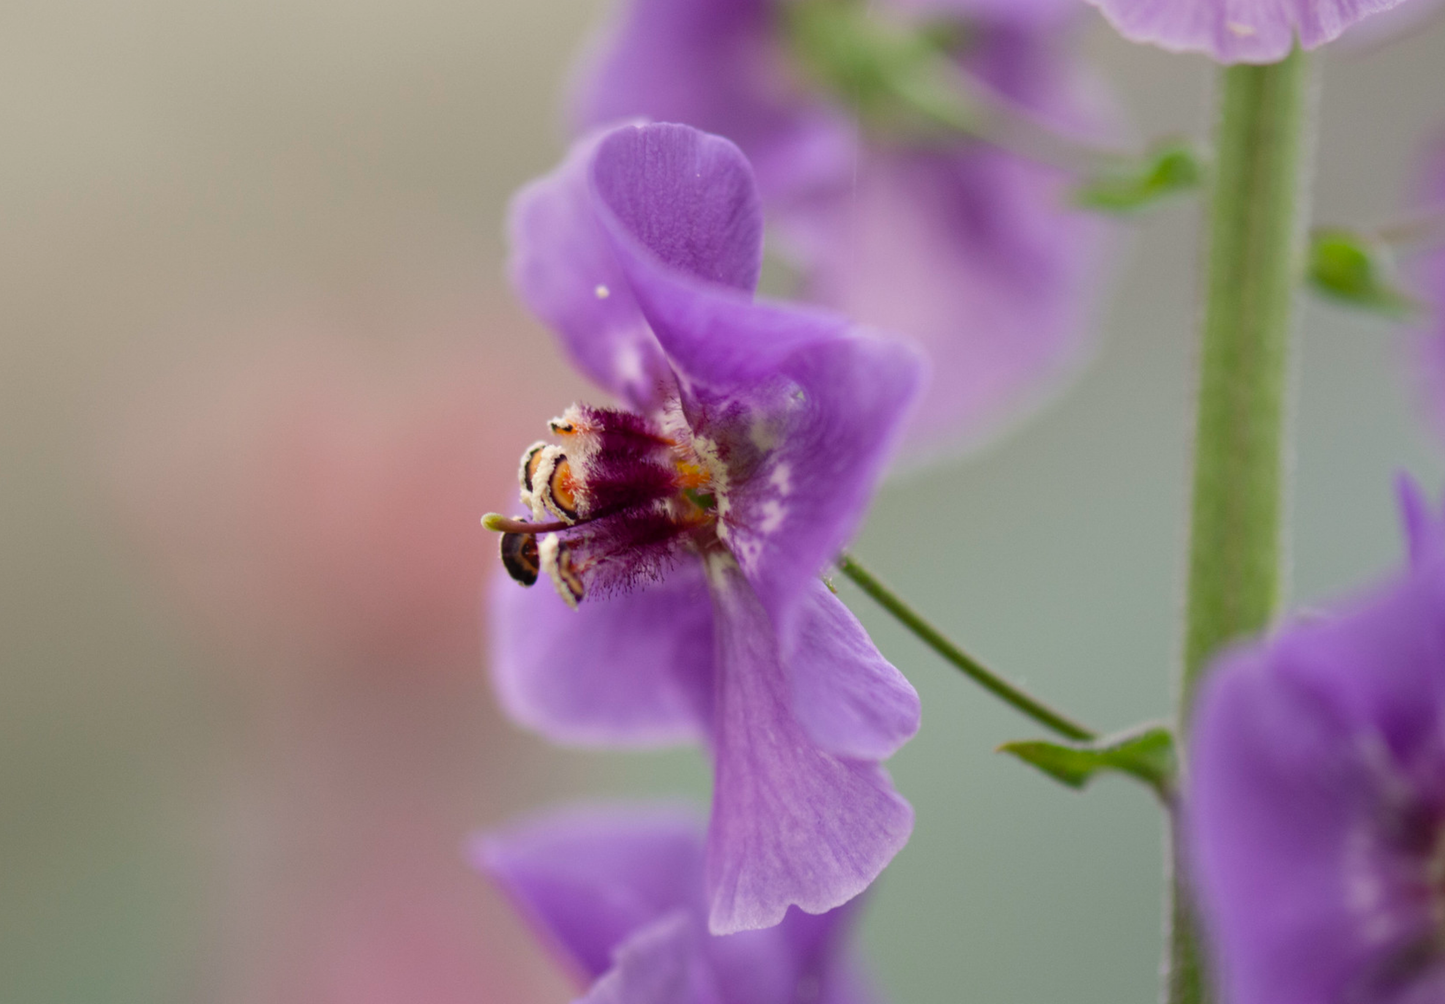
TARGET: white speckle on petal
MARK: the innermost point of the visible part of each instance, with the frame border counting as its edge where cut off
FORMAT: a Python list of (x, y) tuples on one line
[(782, 479), (1239, 28), (628, 364), (747, 552), (602, 292), (772, 515)]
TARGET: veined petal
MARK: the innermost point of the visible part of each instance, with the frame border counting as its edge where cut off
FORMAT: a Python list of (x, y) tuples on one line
[(803, 409), (791, 823), (686, 196), (1237, 31), (852, 701), (630, 670), (563, 268), (717, 65), (589, 879)]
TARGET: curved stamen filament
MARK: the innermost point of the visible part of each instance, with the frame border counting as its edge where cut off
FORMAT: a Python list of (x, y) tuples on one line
[(503, 524)]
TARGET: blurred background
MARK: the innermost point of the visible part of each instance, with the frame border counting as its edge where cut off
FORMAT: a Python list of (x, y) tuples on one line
[(260, 374)]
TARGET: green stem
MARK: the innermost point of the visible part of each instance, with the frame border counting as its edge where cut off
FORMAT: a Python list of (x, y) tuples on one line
[(1255, 243), (994, 684)]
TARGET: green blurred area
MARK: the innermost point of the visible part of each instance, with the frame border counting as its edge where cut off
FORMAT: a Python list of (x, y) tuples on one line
[(166, 161)]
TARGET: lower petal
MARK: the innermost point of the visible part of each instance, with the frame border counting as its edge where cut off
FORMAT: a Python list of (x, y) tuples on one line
[(657, 965), (591, 879), (792, 824), (852, 701), (632, 670)]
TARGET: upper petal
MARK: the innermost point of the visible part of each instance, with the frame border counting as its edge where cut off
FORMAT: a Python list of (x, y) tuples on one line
[(792, 824), (808, 408), (686, 196), (717, 65), (562, 266), (977, 256), (590, 879), (630, 670), (1237, 31), (852, 701)]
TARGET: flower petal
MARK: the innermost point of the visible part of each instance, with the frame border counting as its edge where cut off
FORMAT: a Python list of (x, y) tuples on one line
[(791, 823), (1424, 529), (1029, 13), (717, 65), (688, 197), (977, 256), (1237, 31), (852, 701), (808, 957), (814, 405), (1315, 757), (562, 266), (590, 879), (631, 670), (657, 965), (830, 440)]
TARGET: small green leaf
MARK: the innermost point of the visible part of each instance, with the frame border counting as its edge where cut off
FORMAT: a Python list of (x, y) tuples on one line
[(1147, 754), (1167, 170), (1350, 269)]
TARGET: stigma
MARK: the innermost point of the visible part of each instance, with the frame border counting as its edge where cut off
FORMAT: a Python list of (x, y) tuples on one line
[(613, 502)]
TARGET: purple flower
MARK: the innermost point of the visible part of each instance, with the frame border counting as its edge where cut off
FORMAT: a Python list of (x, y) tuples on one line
[(1237, 31), (620, 895), (971, 252), (689, 531), (1316, 807)]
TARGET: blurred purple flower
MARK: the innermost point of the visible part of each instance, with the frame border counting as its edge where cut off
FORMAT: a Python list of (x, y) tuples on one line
[(1238, 31), (620, 895), (1395, 24), (1316, 807), (693, 528), (970, 251)]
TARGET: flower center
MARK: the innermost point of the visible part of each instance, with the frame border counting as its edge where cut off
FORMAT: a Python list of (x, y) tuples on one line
[(613, 504)]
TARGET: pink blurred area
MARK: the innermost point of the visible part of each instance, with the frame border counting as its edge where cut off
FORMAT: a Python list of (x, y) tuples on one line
[(307, 494)]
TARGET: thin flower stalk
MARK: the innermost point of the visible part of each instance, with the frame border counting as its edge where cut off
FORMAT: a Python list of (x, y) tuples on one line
[(971, 667)]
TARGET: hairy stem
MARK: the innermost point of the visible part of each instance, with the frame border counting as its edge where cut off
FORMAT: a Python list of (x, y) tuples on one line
[(994, 684), (1254, 256)]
